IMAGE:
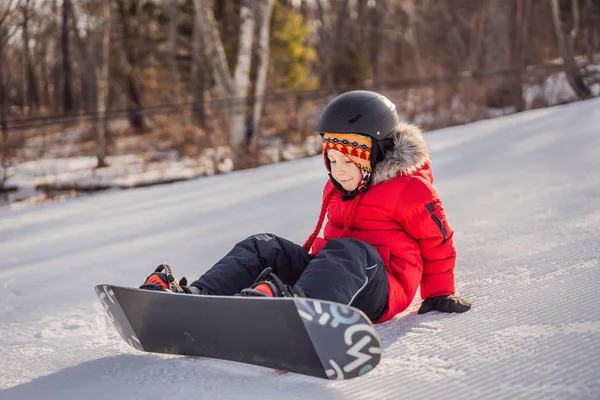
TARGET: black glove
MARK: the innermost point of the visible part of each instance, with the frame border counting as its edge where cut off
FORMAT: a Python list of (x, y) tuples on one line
[(448, 304)]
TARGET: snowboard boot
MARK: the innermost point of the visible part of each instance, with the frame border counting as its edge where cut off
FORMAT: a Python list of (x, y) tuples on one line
[(162, 279), (158, 280), (269, 285)]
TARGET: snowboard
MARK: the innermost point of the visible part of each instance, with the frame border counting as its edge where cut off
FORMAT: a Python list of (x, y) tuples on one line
[(305, 336)]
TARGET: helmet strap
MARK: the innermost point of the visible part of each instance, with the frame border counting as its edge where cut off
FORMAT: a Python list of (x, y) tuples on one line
[(346, 195)]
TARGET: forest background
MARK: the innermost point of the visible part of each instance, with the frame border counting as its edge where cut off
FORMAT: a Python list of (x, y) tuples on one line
[(96, 94)]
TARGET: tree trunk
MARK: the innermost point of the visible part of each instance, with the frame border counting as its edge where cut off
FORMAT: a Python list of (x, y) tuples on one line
[(22, 93), (88, 68), (215, 52), (136, 115), (477, 34), (130, 66), (198, 75), (33, 98), (566, 49), (593, 30), (102, 78), (411, 36), (3, 116), (68, 102), (263, 69), (385, 40), (502, 90), (326, 47), (363, 28), (309, 15), (46, 97), (229, 19), (522, 11), (55, 68), (242, 75), (342, 42), (172, 49), (588, 12), (497, 45)]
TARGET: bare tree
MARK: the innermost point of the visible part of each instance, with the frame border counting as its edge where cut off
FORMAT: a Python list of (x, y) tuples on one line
[(32, 95), (102, 77), (340, 51), (386, 43), (68, 101), (55, 64), (235, 85), (87, 68), (214, 50), (519, 43), (173, 7), (198, 75), (566, 45), (327, 40), (130, 25), (411, 35), (477, 33), (242, 75), (590, 13), (364, 27), (7, 30), (502, 90), (228, 19), (263, 69)]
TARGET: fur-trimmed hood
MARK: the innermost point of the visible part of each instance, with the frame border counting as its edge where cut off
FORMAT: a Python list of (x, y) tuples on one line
[(409, 154)]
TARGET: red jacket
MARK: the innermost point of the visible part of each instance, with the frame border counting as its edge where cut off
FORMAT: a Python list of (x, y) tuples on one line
[(401, 215)]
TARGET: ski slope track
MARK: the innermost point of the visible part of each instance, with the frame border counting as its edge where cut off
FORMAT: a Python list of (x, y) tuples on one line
[(522, 193)]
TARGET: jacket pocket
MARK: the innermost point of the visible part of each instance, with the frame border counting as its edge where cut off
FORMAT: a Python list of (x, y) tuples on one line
[(438, 219)]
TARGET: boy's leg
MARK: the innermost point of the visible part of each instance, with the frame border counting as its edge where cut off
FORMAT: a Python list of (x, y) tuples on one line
[(248, 258), (348, 271)]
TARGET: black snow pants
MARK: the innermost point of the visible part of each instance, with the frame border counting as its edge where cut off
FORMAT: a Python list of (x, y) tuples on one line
[(346, 271)]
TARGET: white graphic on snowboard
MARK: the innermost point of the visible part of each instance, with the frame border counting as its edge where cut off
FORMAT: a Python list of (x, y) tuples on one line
[(360, 339)]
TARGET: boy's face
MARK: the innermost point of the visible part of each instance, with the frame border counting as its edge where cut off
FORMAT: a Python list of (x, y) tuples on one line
[(344, 170)]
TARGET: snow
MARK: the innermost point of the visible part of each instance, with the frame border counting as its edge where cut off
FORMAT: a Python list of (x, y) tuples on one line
[(131, 170), (522, 193), (556, 88), (123, 171)]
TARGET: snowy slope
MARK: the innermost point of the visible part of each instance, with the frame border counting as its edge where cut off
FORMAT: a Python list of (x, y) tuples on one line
[(521, 192)]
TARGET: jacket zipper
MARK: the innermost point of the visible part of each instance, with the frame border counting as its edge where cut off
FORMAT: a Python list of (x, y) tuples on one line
[(436, 219)]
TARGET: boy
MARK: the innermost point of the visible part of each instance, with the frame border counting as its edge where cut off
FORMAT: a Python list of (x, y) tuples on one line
[(386, 232)]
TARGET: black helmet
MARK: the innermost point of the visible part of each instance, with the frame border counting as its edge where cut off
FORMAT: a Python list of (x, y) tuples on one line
[(359, 111)]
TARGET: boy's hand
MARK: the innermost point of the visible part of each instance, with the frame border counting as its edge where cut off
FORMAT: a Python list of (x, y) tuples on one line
[(448, 304)]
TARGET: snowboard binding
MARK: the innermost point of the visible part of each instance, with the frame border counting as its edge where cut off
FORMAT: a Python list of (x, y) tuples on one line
[(162, 279), (269, 285)]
